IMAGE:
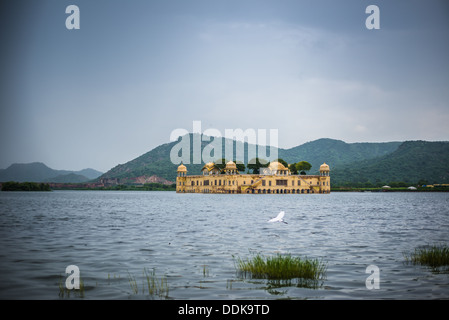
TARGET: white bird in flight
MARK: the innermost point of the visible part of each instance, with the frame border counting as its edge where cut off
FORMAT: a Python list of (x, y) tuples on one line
[(279, 218)]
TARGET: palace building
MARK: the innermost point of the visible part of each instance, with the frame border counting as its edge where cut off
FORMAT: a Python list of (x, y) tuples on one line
[(276, 178)]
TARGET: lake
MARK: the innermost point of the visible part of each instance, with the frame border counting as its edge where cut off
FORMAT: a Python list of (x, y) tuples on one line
[(192, 241)]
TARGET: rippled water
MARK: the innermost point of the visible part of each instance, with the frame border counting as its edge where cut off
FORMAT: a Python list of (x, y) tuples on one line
[(191, 239)]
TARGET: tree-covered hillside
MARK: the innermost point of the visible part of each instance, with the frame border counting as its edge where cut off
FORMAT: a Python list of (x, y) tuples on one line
[(411, 162), (336, 152), (333, 152)]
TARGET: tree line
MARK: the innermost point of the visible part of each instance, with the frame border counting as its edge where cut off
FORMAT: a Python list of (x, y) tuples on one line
[(256, 164), (25, 186)]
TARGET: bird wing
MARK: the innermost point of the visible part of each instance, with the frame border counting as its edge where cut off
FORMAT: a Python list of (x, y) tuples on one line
[(278, 218), (280, 215)]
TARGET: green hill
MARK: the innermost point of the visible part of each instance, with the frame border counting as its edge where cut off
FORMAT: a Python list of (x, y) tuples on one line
[(334, 152), (352, 164), (155, 162), (411, 162)]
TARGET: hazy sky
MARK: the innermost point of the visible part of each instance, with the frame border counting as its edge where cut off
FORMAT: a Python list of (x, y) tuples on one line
[(137, 70)]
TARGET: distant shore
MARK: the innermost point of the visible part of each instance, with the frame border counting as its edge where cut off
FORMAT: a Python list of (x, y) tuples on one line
[(401, 189), (34, 186)]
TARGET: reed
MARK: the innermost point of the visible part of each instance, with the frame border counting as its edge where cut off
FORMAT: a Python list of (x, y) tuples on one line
[(434, 256), (151, 282), (133, 283), (281, 267), (156, 286), (205, 270)]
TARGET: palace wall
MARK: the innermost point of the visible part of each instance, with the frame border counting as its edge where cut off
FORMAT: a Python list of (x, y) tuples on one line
[(253, 183)]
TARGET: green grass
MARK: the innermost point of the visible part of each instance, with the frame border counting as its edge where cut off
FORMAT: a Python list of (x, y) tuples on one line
[(133, 283), (281, 267), (156, 286), (435, 256), (151, 283)]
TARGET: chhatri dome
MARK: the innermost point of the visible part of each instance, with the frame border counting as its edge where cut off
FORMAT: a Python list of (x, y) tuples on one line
[(275, 165), (182, 168), (324, 169), (231, 165)]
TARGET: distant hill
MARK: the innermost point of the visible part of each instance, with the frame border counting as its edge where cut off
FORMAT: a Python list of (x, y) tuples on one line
[(153, 163), (68, 178), (341, 156), (39, 172), (411, 162), (350, 163), (336, 152), (88, 173)]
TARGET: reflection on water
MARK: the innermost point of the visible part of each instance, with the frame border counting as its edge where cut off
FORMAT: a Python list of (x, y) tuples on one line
[(190, 240)]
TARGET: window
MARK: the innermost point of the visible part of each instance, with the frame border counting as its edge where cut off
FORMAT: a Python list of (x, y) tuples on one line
[(206, 182), (280, 182), (263, 183)]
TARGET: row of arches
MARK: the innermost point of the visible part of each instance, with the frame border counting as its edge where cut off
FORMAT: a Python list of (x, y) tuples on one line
[(279, 191)]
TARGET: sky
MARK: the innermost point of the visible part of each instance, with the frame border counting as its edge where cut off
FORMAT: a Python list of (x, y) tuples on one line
[(135, 71)]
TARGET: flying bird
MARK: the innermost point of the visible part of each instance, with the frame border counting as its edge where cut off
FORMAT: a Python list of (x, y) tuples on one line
[(279, 218)]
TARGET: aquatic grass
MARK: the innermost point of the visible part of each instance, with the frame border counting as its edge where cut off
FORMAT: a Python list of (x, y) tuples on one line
[(281, 267), (133, 283), (205, 270), (151, 282), (434, 256), (156, 286), (114, 277)]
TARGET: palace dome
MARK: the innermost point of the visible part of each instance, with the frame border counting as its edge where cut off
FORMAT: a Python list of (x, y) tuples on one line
[(231, 165), (276, 166), (324, 167), (182, 168)]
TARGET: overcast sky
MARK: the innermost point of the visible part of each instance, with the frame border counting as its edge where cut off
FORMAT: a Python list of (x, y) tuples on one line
[(137, 70)]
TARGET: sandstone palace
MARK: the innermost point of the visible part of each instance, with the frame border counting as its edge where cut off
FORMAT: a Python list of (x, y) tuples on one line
[(276, 178)]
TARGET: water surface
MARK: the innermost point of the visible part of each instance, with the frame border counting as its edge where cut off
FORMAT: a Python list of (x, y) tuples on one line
[(191, 240)]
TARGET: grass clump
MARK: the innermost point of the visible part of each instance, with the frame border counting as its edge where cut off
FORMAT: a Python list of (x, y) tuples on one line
[(133, 283), (281, 267), (434, 256), (154, 285)]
